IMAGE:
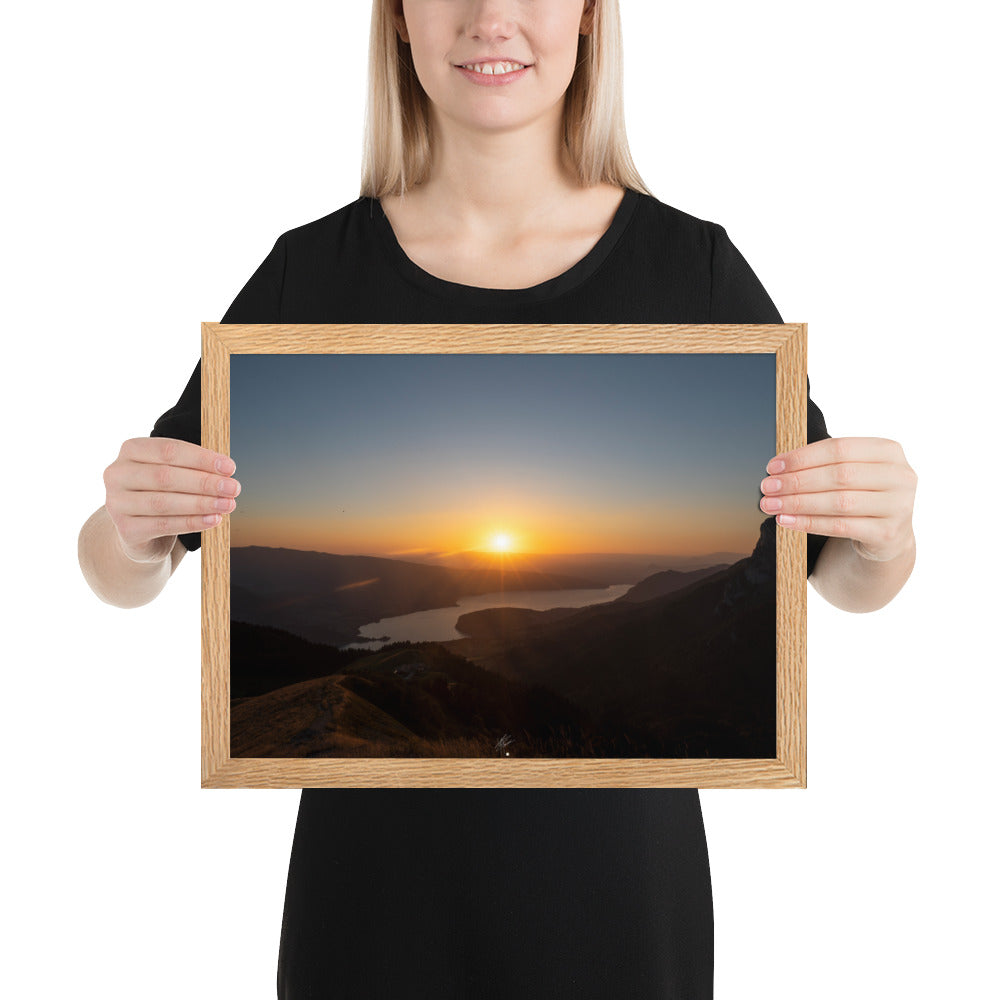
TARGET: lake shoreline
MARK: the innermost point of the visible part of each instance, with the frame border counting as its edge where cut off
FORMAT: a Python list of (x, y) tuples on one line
[(438, 624)]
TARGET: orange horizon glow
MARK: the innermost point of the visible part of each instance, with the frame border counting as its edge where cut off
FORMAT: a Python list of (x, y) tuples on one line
[(451, 535)]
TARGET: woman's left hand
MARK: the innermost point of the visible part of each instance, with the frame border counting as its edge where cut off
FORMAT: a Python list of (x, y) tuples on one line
[(852, 487)]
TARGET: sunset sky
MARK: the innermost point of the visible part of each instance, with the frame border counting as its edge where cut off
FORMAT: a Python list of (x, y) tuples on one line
[(404, 455)]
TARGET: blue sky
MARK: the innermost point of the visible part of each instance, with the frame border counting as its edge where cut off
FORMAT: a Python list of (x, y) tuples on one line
[(616, 453)]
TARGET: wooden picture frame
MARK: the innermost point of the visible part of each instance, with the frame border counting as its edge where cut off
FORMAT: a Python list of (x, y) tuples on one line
[(787, 768)]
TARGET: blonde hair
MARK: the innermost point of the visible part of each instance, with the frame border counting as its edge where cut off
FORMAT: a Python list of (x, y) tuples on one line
[(396, 152)]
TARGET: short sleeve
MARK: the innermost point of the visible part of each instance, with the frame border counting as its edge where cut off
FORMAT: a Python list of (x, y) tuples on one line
[(737, 296), (258, 302)]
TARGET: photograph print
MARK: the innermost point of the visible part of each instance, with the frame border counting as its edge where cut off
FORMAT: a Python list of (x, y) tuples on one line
[(502, 555)]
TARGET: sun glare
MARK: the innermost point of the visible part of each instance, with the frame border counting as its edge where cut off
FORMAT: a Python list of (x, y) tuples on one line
[(501, 542)]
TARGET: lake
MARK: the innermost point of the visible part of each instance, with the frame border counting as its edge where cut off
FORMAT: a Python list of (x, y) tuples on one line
[(438, 624)]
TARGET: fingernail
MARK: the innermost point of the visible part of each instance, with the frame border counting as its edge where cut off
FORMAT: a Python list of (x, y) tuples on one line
[(225, 466), (788, 519), (771, 485), (776, 465), (227, 486), (771, 504), (210, 520)]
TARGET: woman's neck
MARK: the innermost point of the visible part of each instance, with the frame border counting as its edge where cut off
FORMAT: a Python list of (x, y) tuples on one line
[(474, 246), (493, 183)]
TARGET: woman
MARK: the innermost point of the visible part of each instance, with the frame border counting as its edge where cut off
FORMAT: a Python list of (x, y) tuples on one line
[(498, 187)]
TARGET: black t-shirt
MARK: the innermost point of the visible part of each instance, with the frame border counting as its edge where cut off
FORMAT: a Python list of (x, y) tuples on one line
[(557, 893)]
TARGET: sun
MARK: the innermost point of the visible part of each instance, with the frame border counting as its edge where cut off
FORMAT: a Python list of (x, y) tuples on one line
[(501, 542)]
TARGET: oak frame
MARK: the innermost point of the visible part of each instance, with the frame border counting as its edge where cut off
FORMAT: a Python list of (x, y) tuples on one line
[(787, 342)]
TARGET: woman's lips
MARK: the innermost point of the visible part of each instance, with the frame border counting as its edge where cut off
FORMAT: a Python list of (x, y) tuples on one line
[(486, 80)]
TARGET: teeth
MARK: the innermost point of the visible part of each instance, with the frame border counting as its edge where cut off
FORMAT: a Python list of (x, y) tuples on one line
[(495, 69)]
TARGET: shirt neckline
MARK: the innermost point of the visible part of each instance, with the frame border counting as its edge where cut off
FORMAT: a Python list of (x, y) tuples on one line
[(549, 289)]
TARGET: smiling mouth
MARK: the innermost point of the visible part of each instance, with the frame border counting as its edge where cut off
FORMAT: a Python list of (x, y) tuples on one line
[(493, 68)]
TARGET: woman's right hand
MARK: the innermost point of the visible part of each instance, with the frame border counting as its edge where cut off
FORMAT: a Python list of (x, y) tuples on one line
[(158, 488)]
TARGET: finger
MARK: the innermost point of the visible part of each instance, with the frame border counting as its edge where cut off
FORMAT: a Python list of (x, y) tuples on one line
[(172, 451), (142, 478), (864, 529), (136, 531), (842, 503), (827, 478), (831, 451), (161, 504)]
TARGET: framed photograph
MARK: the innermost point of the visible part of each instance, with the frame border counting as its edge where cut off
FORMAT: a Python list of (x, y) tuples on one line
[(473, 555)]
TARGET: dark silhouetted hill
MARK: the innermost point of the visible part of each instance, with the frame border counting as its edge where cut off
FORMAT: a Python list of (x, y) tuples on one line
[(668, 582), (497, 623), (696, 665), (416, 701), (263, 659), (688, 673)]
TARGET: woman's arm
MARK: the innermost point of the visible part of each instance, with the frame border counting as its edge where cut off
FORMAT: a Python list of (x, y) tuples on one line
[(116, 577), (859, 492), (165, 485), (853, 582)]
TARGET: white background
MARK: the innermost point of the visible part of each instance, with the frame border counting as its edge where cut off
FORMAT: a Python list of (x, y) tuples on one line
[(154, 154)]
